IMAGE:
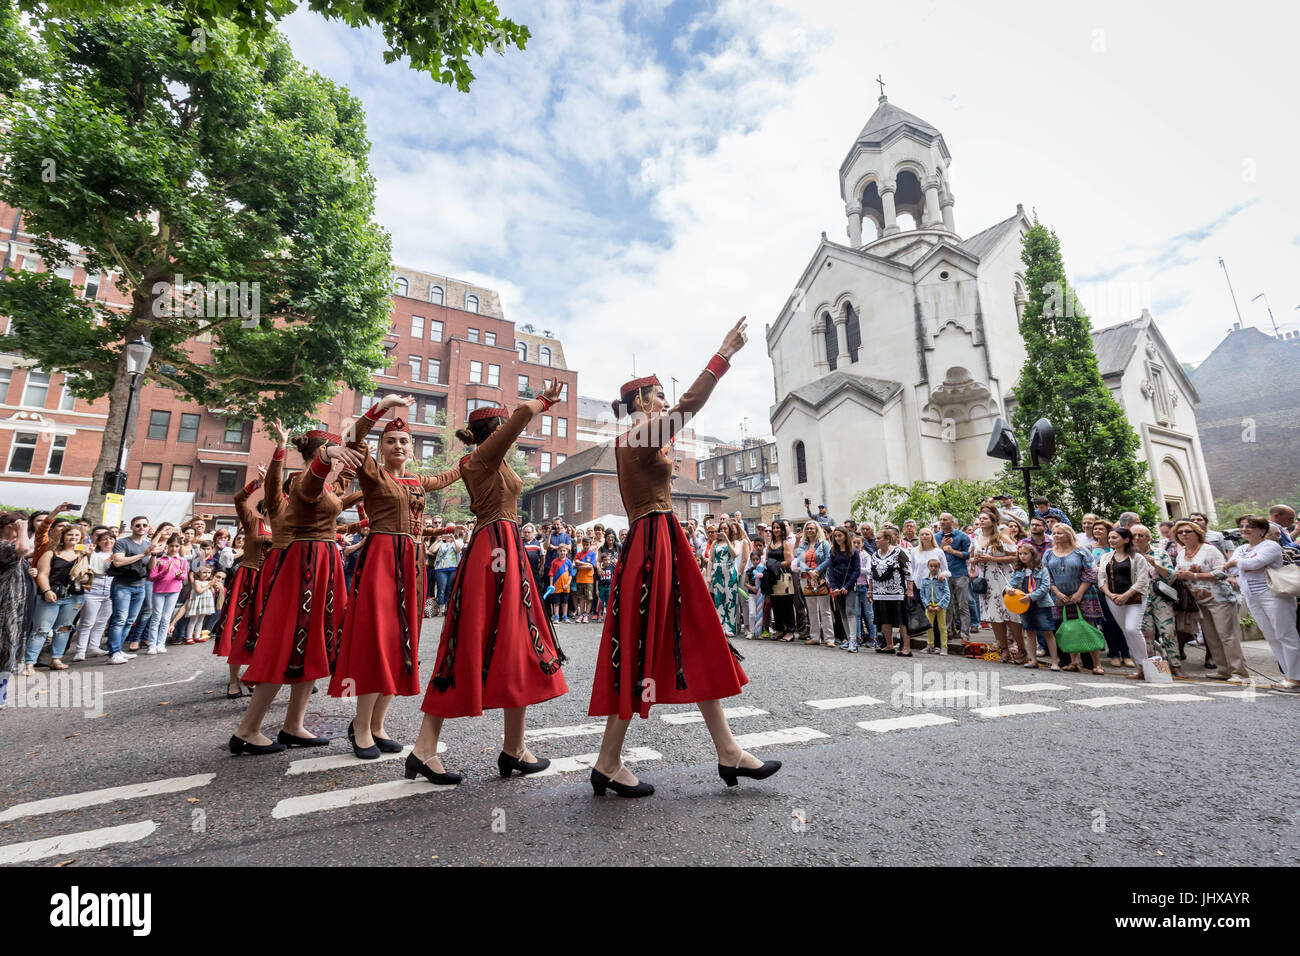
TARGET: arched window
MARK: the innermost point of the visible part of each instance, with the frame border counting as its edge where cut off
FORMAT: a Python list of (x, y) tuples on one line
[(544, 355), (436, 295), (832, 342), (800, 464), (402, 286), (853, 331), (471, 303), (522, 349)]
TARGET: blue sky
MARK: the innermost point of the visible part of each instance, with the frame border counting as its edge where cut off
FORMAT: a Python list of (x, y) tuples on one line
[(646, 171)]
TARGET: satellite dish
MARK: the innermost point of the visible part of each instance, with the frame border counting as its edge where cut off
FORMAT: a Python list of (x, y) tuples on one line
[(1042, 442), (1002, 443)]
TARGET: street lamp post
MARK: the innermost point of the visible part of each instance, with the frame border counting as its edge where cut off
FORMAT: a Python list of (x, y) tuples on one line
[(1042, 447), (137, 360)]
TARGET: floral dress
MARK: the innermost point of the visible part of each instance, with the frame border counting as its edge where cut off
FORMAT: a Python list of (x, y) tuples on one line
[(13, 604), (723, 585), (1158, 618), (992, 609)]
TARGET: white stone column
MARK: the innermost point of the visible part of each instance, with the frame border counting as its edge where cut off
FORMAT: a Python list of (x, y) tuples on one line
[(933, 217), (887, 201), (946, 204), (842, 336), (819, 345), (854, 212)]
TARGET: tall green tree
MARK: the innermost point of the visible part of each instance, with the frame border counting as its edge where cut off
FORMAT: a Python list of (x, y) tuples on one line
[(436, 36), (183, 180), (1096, 467)]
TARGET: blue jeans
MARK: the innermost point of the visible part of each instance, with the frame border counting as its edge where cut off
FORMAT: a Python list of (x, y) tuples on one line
[(127, 600), (442, 577), (56, 617), (866, 615), (140, 631), (161, 608)]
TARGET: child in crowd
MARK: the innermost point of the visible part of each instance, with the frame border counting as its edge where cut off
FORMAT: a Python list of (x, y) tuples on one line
[(753, 581), (199, 606), (935, 596), (584, 561), (1029, 575), (606, 578), (558, 592)]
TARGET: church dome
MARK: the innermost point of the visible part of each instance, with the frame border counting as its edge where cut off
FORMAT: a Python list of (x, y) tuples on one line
[(888, 120)]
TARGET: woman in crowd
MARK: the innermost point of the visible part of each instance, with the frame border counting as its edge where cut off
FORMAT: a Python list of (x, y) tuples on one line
[(1200, 565), (446, 558), (1158, 618), (891, 585), (1029, 575), (167, 572), (993, 552), (1014, 530), (1124, 581), (498, 650), (722, 573), (62, 574), (812, 556), (1116, 643), (842, 572), (927, 548), (862, 590), (1275, 615), (777, 584), (242, 590), (15, 545), (740, 546), (300, 601), (99, 598), (1073, 577), (662, 642)]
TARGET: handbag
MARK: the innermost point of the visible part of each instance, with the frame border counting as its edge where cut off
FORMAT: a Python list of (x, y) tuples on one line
[(918, 622), (1284, 581), (1077, 636), (1164, 589), (783, 586), (978, 585)]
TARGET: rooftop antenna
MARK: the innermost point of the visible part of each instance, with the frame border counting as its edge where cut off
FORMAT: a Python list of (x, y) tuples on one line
[(1270, 312), (1240, 320)]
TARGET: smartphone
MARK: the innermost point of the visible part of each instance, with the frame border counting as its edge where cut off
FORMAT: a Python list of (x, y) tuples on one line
[(81, 547)]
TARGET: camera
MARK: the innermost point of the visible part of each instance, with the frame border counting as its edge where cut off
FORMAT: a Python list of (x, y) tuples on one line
[(1233, 535)]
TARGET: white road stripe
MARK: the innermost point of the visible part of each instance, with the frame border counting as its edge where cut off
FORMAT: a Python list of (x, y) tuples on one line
[(695, 717), (1250, 694), (835, 703), (93, 798), (355, 796), (75, 842), (905, 723), (1012, 710), (587, 761), (577, 730), (166, 683), (339, 761), (1127, 685), (947, 693), (1030, 688), (1177, 697), (790, 735), (1104, 701)]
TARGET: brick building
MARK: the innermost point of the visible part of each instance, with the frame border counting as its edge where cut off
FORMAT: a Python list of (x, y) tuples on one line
[(450, 346), (748, 476)]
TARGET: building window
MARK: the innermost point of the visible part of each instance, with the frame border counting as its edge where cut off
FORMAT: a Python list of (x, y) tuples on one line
[(435, 330), (67, 401), (494, 375), (564, 392), (91, 291), (55, 465), (6, 375), (753, 459), (476, 372), (234, 433), (159, 422), (227, 478), (22, 451), (489, 338), (753, 501), (559, 503), (434, 369), (181, 477), (36, 389), (430, 413), (562, 427), (522, 349), (698, 510), (473, 335), (474, 403), (546, 506), (774, 454), (189, 430), (546, 425), (523, 384), (543, 355), (559, 459), (831, 340), (800, 464), (852, 332), (402, 286), (367, 403), (577, 499), (149, 475), (722, 466), (546, 462), (428, 448), (415, 367), (436, 295), (417, 326), (703, 470), (471, 303)]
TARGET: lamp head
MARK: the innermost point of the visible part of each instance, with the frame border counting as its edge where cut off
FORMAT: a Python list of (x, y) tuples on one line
[(1003, 444)]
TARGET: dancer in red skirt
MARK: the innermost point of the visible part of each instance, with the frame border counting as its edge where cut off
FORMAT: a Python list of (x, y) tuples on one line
[(497, 647), (662, 642), (301, 600), (243, 589), (379, 653)]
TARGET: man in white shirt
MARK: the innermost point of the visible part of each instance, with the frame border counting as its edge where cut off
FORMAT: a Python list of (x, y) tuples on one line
[(1008, 507)]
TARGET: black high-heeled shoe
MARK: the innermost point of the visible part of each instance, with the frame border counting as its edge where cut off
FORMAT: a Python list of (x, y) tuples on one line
[(415, 765), (238, 746), (508, 765), (599, 782), (729, 775), (289, 740), (387, 744), (363, 753)]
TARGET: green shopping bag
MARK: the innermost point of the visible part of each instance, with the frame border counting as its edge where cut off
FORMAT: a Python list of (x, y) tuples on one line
[(1077, 636)]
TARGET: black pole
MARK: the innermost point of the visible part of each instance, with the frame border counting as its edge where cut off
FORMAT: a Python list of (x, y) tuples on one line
[(119, 476), (1029, 495)]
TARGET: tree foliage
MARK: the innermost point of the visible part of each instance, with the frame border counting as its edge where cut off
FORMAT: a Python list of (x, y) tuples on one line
[(436, 36), (1096, 467), (923, 501)]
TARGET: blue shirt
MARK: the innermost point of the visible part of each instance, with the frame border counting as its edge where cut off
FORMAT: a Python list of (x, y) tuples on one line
[(960, 542), (1056, 513)]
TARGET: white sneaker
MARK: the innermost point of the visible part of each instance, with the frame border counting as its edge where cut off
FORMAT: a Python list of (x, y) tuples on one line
[(119, 658), (96, 652), (129, 657), (1240, 680), (152, 650), (79, 656), (162, 648)]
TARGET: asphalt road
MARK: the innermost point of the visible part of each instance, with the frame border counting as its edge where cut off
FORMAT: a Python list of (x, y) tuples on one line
[(1138, 780)]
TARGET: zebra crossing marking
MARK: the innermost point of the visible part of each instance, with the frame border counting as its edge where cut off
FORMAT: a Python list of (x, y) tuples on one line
[(1031, 688), (561, 765), (576, 730), (790, 735), (905, 723), (354, 796), (340, 761), (836, 703), (1012, 710), (1104, 701), (94, 798), (75, 842), (695, 717), (1176, 697), (946, 693)]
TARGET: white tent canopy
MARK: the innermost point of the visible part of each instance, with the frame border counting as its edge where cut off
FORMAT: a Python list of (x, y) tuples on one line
[(617, 522), (170, 506)]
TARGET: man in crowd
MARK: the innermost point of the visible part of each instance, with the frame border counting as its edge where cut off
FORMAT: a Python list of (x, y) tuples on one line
[(1128, 519), (1284, 517), (956, 546), (1212, 537), (1038, 534), (1044, 508), (868, 538), (911, 537), (129, 569), (821, 517), (1007, 505)]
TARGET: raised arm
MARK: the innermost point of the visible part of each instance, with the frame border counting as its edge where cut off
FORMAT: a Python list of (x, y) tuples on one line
[(495, 447), (273, 499), (438, 482)]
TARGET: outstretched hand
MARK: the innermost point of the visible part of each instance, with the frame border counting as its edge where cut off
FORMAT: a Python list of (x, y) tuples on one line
[(346, 456), (393, 401), (261, 471), (281, 433), (734, 341), (552, 392)]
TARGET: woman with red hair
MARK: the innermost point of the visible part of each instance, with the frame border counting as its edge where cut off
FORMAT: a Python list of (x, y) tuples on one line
[(663, 641), (498, 649)]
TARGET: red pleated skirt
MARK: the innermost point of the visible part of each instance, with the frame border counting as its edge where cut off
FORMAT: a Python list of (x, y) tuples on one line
[(662, 642), (239, 610), (497, 648), (379, 652), (299, 614)]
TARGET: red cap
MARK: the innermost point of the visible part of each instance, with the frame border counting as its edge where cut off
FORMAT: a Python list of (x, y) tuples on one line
[(636, 384), (328, 436), (487, 411), (396, 425)]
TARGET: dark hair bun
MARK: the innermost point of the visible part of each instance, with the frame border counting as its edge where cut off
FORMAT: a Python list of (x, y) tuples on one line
[(620, 410), (466, 436), (302, 443)]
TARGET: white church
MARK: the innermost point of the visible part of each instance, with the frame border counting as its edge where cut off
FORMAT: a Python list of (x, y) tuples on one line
[(900, 348)]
